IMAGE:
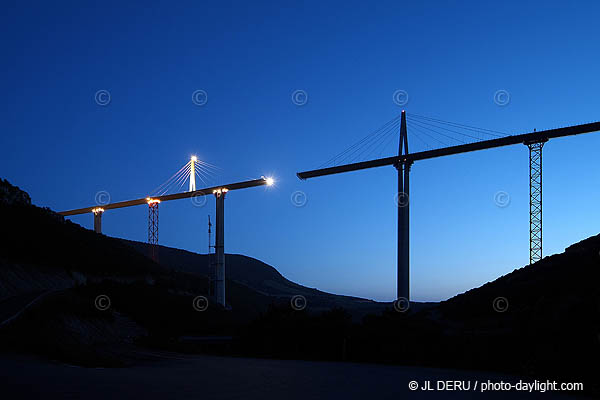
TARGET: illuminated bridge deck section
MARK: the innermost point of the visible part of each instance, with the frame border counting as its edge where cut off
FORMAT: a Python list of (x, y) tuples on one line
[(175, 196)]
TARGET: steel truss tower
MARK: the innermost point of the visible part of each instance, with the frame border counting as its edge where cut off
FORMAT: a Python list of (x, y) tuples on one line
[(153, 228), (535, 200)]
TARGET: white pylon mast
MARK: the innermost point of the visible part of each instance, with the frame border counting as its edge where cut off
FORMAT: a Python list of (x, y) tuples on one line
[(193, 173)]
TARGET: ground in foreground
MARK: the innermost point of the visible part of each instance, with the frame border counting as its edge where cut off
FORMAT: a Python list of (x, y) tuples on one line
[(173, 376)]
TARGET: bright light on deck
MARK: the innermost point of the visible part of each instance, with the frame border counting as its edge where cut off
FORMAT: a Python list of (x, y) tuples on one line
[(270, 181)]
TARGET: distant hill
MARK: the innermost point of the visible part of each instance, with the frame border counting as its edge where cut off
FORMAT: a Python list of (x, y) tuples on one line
[(42, 251), (260, 277), (242, 269), (52, 271)]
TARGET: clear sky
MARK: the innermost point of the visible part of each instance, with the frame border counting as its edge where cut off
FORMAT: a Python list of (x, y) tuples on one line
[(349, 58)]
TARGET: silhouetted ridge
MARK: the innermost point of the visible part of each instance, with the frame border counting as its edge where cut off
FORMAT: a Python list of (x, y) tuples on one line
[(541, 320), (12, 195)]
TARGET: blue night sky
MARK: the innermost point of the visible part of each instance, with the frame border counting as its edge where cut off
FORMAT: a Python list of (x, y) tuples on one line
[(349, 58)]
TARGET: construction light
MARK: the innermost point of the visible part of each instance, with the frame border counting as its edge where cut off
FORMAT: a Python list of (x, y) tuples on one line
[(270, 181)]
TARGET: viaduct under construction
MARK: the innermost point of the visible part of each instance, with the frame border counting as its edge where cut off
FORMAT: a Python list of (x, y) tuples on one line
[(404, 160), (219, 192)]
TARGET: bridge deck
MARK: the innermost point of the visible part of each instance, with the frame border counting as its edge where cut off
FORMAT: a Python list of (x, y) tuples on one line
[(176, 196), (525, 138)]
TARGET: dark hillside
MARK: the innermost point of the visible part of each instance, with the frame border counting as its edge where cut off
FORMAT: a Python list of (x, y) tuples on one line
[(539, 321), (52, 272), (260, 277), (31, 236)]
